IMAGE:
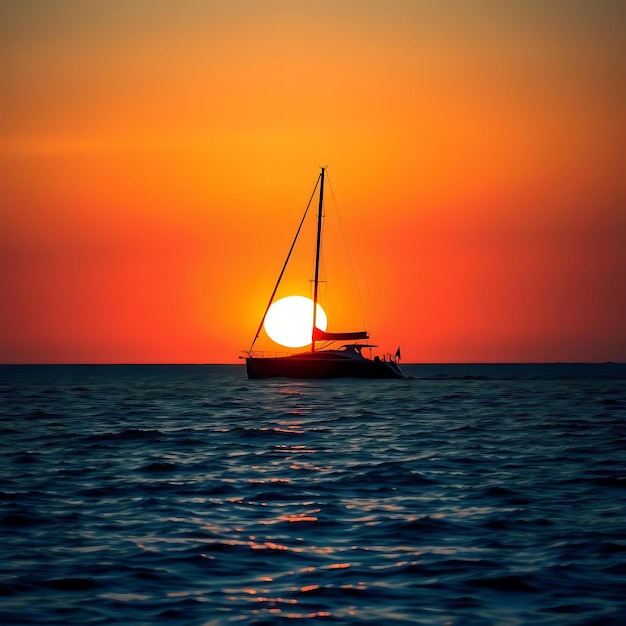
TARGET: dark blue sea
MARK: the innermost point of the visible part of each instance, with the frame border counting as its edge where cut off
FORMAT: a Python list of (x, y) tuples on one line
[(462, 495)]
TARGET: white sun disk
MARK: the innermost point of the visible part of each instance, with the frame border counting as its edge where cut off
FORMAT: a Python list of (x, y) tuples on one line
[(289, 321)]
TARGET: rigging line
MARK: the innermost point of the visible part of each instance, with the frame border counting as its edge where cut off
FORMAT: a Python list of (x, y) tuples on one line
[(280, 277), (345, 243)]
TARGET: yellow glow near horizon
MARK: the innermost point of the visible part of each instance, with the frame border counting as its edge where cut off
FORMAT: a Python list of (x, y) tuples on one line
[(289, 321)]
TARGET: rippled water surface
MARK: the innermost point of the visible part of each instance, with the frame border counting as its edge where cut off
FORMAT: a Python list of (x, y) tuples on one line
[(469, 494)]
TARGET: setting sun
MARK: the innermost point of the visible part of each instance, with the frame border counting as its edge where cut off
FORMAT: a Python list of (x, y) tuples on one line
[(289, 321)]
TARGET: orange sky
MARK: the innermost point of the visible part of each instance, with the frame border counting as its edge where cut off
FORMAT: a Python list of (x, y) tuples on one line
[(155, 159)]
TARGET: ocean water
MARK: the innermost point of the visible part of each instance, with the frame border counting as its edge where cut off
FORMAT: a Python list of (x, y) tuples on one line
[(464, 494)]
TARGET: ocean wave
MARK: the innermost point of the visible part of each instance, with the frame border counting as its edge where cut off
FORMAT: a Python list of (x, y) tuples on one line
[(467, 495)]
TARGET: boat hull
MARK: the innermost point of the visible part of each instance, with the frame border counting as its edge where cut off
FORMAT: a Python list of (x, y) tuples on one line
[(318, 365)]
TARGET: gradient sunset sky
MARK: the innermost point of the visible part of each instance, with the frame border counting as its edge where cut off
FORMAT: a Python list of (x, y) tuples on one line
[(156, 156)]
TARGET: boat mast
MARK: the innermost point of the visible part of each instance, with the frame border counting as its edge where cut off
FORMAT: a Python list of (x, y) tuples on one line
[(317, 259)]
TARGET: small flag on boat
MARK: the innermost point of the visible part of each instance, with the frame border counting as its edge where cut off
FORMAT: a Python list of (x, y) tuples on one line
[(398, 355)]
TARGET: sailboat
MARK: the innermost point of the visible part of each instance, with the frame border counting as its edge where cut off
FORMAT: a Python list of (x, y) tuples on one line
[(348, 360)]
